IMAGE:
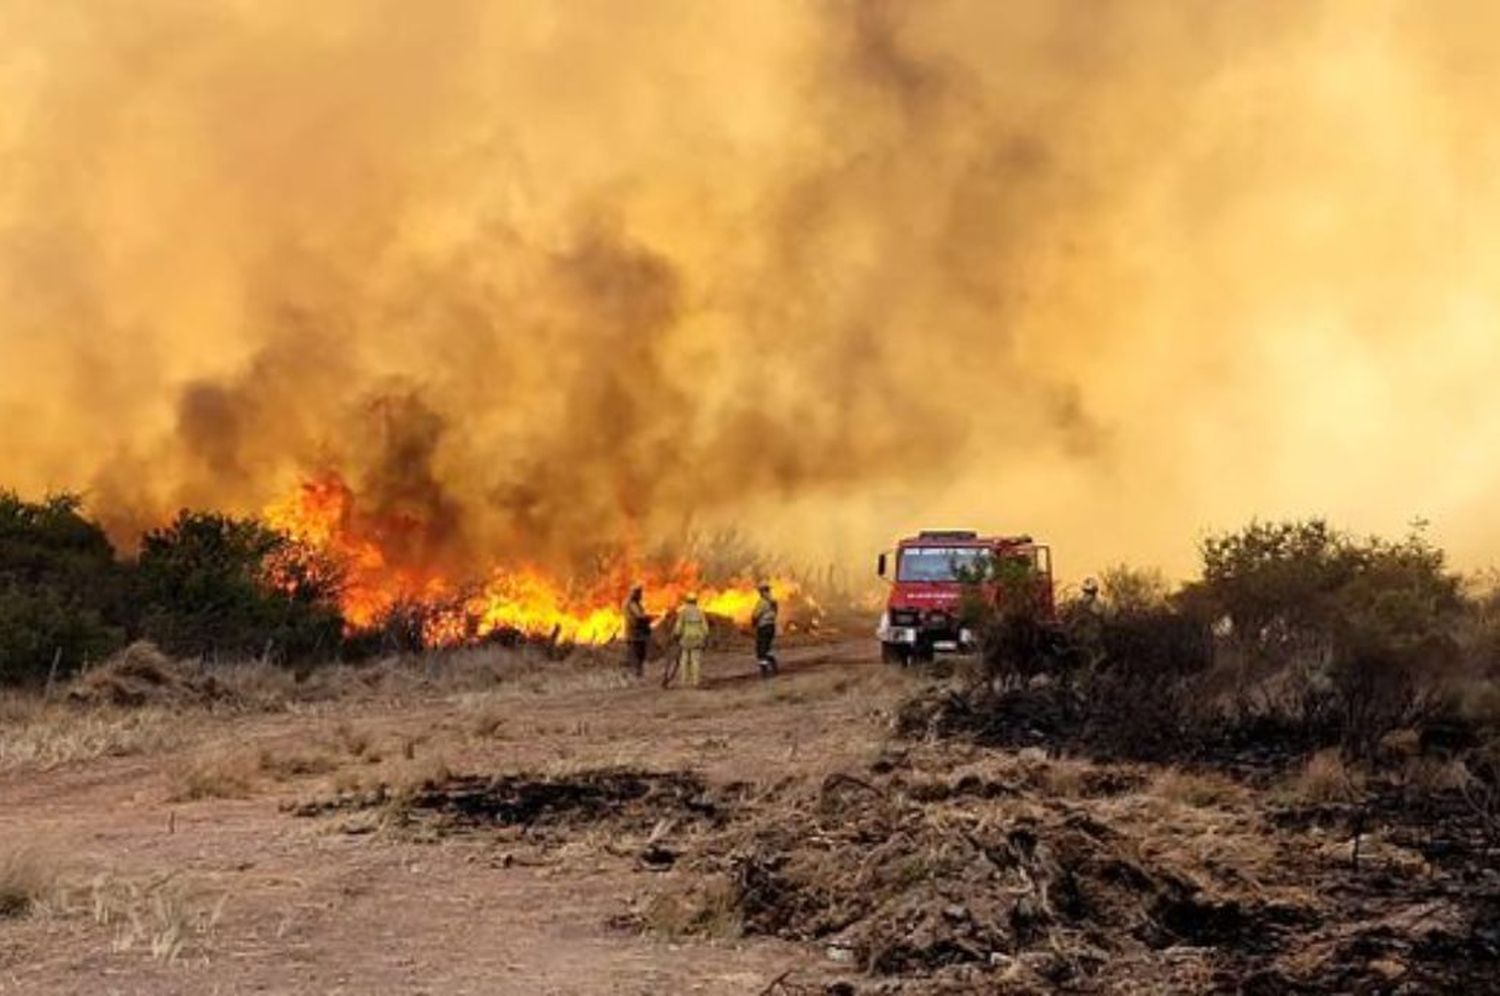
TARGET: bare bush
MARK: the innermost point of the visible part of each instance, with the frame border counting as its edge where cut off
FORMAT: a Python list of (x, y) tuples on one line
[(1134, 590)]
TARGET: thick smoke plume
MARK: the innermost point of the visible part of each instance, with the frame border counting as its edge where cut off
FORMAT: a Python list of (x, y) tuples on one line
[(537, 278)]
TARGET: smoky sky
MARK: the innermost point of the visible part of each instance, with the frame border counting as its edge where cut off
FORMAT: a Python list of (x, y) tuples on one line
[(541, 278)]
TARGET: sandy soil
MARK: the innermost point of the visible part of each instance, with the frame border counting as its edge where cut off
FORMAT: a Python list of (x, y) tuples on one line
[(262, 900), (505, 824)]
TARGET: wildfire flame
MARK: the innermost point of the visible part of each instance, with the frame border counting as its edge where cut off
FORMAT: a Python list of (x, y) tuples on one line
[(322, 514)]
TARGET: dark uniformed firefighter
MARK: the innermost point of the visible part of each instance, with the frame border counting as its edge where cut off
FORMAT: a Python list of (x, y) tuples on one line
[(637, 632), (1084, 623), (763, 618)]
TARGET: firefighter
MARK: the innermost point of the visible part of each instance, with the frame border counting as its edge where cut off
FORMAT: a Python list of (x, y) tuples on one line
[(637, 632), (1091, 596), (1085, 624), (691, 632), (763, 618)]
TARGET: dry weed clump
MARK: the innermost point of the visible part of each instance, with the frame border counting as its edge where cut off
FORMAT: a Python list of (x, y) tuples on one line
[(416, 776), (357, 741), (165, 915), (1326, 778), (487, 720), (1199, 789), (234, 773), (1427, 777), (704, 910), (225, 774), (29, 880), (141, 675), (285, 765)]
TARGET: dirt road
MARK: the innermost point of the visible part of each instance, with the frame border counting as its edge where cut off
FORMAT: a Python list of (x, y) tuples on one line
[(239, 895)]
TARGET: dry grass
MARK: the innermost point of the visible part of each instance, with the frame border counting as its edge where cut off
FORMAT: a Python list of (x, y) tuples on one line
[(36, 734), (234, 773), (476, 671), (29, 880), (1427, 776), (142, 702), (1480, 703), (213, 775), (1326, 778), (398, 778), (357, 741), (165, 916), (1201, 790), (1399, 747), (286, 765), (487, 720), (414, 776), (260, 686), (1063, 778), (709, 911)]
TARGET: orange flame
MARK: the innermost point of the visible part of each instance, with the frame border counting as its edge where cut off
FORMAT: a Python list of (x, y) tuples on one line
[(322, 515)]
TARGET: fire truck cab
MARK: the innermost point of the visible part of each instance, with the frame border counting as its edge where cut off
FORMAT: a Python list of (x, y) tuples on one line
[(928, 574)]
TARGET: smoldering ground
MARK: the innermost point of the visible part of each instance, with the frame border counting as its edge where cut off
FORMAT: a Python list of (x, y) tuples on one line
[(539, 277)]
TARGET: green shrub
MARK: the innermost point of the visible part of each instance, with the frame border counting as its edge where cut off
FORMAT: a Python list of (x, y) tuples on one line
[(1373, 623), (212, 585), (1295, 632), (62, 593), (1008, 603)]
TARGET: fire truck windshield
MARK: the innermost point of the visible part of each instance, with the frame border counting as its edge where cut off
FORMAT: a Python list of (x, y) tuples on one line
[(937, 563)]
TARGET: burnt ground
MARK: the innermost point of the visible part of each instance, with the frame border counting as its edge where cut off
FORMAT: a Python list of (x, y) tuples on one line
[(578, 834)]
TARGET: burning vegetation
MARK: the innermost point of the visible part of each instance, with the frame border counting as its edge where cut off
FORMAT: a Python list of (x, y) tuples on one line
[(378, 579), (317, 578)]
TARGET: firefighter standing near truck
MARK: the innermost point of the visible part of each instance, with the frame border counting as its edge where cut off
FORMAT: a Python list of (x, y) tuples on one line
[(763, 618), (691, 631), (1084, 623), (637, 632)]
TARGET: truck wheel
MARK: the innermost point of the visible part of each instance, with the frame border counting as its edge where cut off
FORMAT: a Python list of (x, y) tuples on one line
[(894, 653)]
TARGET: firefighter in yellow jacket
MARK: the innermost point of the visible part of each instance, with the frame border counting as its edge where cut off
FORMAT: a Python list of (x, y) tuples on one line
[(691, 632)]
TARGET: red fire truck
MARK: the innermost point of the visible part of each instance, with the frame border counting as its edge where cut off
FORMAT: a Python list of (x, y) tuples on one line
[(924, 612)]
